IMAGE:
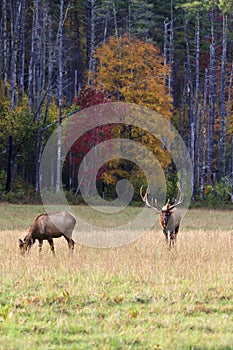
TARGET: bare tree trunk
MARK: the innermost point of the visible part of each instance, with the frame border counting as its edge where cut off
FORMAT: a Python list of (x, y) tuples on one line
[(50, 61), (204, 136), (129, 25), (171, 54), (91, 65), (106, 25), (165, 44), (33, 56), (196, 123), (222, 135), (60, 95), (189, 92), (115, 18), (168, 50), (5, 47), (227, 112), (77, 57), (21, 54), (212, 103), (14, 48)]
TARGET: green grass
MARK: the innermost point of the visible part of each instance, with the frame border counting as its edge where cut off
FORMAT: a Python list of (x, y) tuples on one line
[(141, 296)]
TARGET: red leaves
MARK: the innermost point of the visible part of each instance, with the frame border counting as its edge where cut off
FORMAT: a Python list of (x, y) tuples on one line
[(88, 96)]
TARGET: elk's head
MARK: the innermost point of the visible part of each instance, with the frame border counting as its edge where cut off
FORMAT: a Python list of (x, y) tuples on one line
[(165, 213), (25, 245)]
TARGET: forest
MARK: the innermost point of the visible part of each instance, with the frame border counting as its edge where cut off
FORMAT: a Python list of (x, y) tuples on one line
[(62, 56)]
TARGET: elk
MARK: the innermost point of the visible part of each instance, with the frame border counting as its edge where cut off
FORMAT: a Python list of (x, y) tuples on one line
[(47, 227), (170, 216)]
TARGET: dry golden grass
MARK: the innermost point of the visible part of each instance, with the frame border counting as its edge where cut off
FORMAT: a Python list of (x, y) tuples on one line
[(200, 255), (140, 296)]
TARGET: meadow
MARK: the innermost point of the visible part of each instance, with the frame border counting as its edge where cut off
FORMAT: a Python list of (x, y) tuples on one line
[(140, 296)]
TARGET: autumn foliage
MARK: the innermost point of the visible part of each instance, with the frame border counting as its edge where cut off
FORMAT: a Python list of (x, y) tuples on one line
[(134, 71), (89, 96)]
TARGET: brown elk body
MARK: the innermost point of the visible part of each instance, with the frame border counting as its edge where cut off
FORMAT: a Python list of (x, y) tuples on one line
[(47, 227), (170, 216)]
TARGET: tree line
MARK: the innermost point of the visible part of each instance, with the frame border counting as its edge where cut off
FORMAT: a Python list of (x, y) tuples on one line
[(56, 52)]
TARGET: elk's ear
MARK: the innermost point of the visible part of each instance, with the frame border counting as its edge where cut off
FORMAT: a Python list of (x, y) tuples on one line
[(21, 247)]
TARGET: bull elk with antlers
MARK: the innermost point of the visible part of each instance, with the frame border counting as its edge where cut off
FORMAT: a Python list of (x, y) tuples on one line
[(170, 216)]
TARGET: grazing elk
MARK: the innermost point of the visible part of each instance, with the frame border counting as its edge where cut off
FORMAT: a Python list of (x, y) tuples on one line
[(170, 216), (47, 227)]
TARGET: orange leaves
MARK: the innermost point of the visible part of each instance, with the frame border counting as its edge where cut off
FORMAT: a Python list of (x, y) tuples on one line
[(135, 69)]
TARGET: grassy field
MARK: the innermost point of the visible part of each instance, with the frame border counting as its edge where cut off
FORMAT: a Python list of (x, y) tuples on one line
[(141, 296)]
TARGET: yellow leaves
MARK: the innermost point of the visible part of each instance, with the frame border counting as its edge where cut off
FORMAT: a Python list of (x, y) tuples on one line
[(136, 70), (52, 112), (113, 176), (225, 6), (16, 121)]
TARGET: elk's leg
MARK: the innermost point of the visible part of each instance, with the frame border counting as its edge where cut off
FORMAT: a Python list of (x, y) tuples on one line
[(70, 244), (165, 234), (173, 237), (40, 245), (175, 234), (51, 245)]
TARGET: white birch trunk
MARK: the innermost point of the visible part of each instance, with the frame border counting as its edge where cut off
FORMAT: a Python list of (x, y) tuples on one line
[(228, 111), (91, 65), (211, 103), (166, 24), (222, 134), (21, 60), (171, 56), (204, 136), (14, 48), (168, 50), (189, 91), (197, 116), (31, 70), (5, 47), (115, 18), (60, 94)]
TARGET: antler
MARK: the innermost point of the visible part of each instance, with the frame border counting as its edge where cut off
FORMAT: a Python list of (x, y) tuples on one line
[(180, 197), (145, 199)]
